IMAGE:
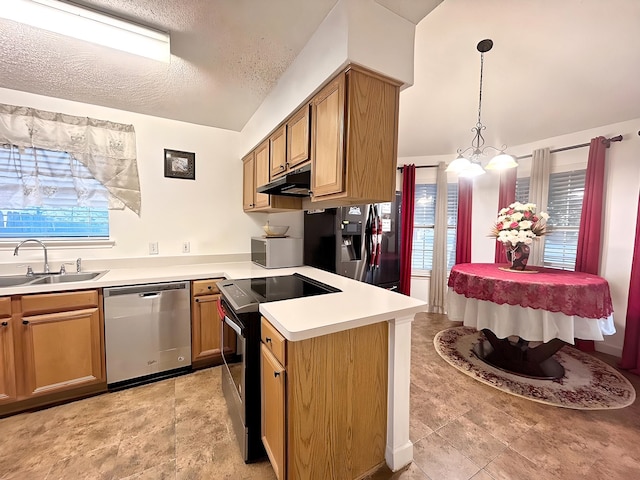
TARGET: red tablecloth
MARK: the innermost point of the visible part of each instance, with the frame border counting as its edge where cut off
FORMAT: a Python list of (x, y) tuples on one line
[(572, 293)]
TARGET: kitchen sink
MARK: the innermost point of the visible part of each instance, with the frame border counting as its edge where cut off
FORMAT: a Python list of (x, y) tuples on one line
[(48, 278), (67, 277), (13, 280)]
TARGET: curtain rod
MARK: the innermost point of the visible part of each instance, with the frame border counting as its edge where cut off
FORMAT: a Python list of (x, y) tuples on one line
[(606, 141)]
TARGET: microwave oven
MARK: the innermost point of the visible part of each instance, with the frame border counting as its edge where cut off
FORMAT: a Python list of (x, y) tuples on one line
[(276, 252)]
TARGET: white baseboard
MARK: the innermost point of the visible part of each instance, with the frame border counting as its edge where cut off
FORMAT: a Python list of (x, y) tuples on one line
[(609, 349)]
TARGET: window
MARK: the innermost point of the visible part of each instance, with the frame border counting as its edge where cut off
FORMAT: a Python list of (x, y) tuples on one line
[(566, 191), (564, 206), (522, 190), (424, 225), (63, 205)]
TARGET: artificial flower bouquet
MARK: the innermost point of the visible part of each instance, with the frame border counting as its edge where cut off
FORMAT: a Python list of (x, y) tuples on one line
[(519, 223)]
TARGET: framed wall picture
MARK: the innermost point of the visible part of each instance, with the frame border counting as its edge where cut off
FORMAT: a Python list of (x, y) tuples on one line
[(179, 164)]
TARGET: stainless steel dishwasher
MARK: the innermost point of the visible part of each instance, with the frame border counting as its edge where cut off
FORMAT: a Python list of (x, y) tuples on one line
[(147, 332)]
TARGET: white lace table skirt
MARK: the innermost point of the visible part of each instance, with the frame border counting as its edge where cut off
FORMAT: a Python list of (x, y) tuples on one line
[(530, 324)]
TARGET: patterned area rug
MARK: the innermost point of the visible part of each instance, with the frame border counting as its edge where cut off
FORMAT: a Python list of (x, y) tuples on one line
[(588, 384)]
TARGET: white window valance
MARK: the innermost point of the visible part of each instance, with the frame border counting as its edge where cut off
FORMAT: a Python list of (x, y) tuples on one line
[(107, 149)]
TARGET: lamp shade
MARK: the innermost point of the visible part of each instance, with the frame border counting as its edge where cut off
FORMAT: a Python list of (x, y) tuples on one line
[(501, 161), (473, 170), (458, 165)]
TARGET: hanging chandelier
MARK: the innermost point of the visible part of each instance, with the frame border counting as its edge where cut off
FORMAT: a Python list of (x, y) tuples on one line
[(468, 163)]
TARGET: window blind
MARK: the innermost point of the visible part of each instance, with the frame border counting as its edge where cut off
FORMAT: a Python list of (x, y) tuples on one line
[(566, 192), (424, 224), (49, 194)]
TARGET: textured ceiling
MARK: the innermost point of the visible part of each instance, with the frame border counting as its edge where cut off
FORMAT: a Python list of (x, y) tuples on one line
[(226, 57), (556, 66)]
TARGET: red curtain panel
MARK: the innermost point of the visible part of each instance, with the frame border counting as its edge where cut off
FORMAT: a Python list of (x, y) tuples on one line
[(590, 233), (463, 233), (406, 237), (631, 347), (506, 196)]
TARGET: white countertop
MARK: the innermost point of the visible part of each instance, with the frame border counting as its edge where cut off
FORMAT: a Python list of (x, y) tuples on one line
[(358, 303)]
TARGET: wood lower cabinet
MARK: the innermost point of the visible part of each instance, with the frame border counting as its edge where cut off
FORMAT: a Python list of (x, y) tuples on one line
[(58, 348), (206, 325), (7, 361), (273, 411), (324, 402)]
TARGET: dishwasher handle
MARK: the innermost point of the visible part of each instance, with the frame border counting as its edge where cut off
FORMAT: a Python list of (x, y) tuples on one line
[(150, 295), (146, 289)]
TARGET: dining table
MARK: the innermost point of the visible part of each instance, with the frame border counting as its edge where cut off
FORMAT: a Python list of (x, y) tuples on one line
[(527, 316)]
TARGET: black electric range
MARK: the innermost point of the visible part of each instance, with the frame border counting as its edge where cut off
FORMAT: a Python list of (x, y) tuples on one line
[(246, 294), (239, 305)]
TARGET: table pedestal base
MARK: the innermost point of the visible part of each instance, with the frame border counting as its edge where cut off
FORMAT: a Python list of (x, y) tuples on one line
[(518, 358)]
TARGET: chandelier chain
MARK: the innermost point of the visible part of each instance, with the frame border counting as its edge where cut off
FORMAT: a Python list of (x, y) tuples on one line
[(480, 95)]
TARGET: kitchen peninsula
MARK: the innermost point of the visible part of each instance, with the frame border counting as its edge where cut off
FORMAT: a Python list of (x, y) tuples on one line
[(357, 305)]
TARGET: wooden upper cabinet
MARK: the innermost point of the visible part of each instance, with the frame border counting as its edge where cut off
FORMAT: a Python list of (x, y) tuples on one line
[(278, 147), (262, 173), (327, 150), (348, 131), (255, 174), (298, 138), (248, 182), (355, 138)]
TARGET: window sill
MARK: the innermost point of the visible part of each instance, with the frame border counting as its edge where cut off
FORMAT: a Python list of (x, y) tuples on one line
[(59, 243)]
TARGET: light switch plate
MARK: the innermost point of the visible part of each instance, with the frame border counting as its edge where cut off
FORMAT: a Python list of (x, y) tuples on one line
[(186, 247), (153, 248)]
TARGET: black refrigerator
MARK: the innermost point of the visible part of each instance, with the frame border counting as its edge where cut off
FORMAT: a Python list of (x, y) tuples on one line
[(358, 241)]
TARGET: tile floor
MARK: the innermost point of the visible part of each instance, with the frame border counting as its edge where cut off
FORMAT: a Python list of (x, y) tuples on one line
[(462, 429)]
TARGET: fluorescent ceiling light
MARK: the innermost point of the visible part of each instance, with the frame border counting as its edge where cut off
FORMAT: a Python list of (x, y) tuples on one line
[(89, 25)]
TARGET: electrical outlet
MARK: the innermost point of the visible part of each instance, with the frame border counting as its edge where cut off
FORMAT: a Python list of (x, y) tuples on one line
[(186, 247), (153, 248)]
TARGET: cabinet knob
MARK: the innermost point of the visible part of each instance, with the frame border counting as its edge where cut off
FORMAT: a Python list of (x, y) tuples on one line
[(276, 374), (197, 300), (25, 322), (282, 167), (267, 339), (209, 287), (4, 324)]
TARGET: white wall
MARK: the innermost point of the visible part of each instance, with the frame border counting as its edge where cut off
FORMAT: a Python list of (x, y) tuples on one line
[(619, 223), (207, 212)]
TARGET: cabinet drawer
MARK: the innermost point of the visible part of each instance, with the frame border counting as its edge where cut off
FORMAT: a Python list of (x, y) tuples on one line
[(58, 302), (275, 342), (205, 287), (5, 307)]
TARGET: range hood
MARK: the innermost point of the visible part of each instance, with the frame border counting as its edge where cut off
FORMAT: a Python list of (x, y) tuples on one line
[(296, 183)]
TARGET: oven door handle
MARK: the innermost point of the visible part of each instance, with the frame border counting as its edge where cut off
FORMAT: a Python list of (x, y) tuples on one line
[(221, 311), (233, 325)]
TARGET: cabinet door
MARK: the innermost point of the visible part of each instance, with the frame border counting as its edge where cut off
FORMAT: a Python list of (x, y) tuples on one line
[(328, 140), (205, 330), (298, 137), (278, 152), (62, 350), (7, 363), (248, 182), (262, 174), (273, 411)]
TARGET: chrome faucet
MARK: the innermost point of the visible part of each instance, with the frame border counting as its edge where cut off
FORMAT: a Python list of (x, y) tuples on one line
[(46, 262)]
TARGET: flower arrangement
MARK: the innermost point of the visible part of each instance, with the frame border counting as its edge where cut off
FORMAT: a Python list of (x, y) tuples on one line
[(519, 223)]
